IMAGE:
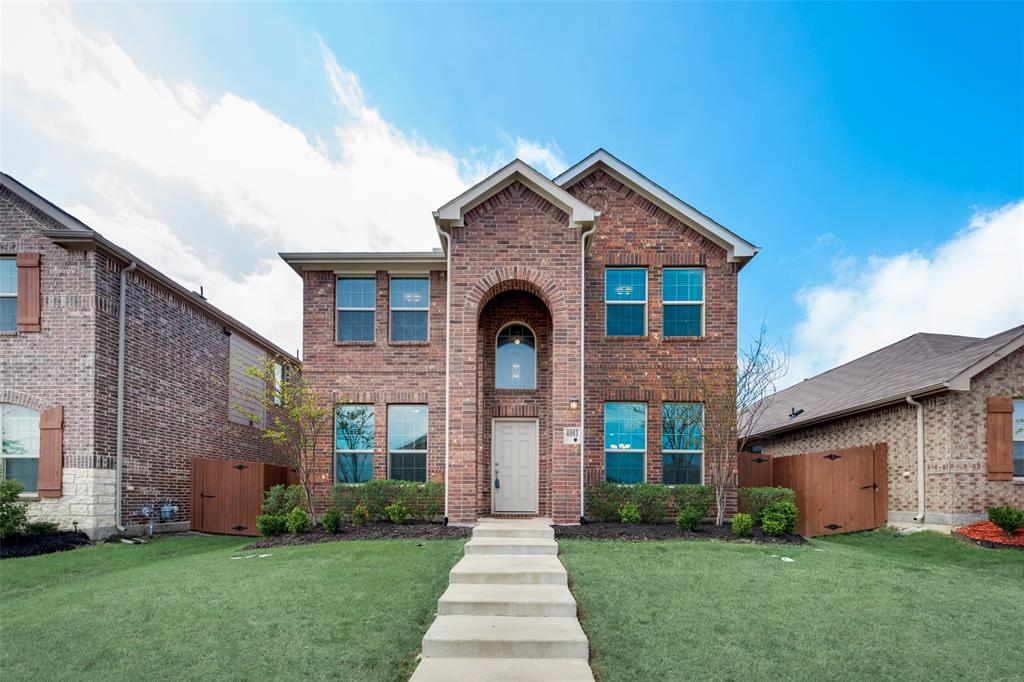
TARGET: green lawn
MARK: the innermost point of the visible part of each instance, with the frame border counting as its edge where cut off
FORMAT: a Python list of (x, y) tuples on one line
[(870, 606), (181, 608)]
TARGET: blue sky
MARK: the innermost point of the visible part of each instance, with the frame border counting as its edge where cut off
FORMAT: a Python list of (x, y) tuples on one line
[(865, 147)]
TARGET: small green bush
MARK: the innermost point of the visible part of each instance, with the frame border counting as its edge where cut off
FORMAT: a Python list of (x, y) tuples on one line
[(741, 524), (13, 509), (396, 512), (280, 500), (38, 528), (1007, 517), (271, 524), (331, 520), (702, 496), (690, 516), (629, 513), (604, 500), (360, 515), (298, 521), (756, 499), (424, 501), (779, 518)]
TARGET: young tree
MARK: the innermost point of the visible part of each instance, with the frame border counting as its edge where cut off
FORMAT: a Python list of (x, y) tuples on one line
[(290, 413), (734, 398)]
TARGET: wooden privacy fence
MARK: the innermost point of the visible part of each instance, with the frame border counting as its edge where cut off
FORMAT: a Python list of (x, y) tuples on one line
[(227, 494), (837, 491)]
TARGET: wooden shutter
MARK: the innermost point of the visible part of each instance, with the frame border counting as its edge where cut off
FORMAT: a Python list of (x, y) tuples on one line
[(999, 435), (51, 452), (29, 299)]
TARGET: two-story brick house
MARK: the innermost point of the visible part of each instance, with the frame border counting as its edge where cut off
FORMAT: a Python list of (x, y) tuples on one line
[(553, 308)]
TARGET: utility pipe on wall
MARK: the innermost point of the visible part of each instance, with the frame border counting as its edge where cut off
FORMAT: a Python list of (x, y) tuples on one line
[(920, 459), (447, 346), (583, 342), (121, 315)]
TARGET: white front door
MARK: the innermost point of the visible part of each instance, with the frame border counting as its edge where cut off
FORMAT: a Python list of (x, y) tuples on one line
[(514, 465)]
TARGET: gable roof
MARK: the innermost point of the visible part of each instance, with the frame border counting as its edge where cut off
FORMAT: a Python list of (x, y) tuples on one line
[(918, 365), (739, 249), (73, 233), (452, 213)]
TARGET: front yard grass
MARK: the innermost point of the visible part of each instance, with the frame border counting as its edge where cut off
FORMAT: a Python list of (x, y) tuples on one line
[(865, 606), (182, 608)]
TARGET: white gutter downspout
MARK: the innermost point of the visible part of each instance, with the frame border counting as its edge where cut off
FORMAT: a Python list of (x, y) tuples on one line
[(583, 342), (447, 346), (920, 459), (121, 315)]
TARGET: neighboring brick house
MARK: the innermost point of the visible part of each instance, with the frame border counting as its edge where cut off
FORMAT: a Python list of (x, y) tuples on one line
[(581, 302), (60, 293), (971, 396)]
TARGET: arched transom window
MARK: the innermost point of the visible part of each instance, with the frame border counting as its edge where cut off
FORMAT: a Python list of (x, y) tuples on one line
[(515, 358)]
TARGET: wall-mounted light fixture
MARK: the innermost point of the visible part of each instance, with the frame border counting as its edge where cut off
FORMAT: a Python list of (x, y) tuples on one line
[(574, 403)]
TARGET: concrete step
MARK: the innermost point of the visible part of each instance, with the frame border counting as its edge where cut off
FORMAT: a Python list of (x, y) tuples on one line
[(514, 570), (463, 599), (508, 529), (502, 670), (505, 637), (511, 546)]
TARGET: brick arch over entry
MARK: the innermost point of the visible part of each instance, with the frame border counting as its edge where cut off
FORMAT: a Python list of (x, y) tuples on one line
[(515, 278)]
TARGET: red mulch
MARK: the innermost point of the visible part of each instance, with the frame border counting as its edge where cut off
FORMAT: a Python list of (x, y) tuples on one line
[(990, 535)]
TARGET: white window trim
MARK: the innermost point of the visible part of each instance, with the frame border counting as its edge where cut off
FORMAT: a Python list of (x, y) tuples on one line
[(344, 451), (392, 308), (645, 302), (664, 451), (630, 450), (426, 472), (4, 457), (536, 355), (337, 308), (11, 294), (703, 297)]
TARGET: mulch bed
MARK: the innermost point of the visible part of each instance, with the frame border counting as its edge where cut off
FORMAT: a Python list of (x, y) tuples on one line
[(988, 534), (668, 531), (370, 531), (33, 545)]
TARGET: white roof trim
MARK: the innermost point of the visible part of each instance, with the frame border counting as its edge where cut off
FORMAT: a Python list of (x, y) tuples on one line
[(738, 248), (962, 381), (452, 213)]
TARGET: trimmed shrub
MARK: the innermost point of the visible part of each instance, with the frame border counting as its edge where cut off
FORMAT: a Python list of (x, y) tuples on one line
[(651, 501), (280, 500), (424, 502), (779, 518), (360, 515), (629, 513), (701, 496), (271, 524), (1007, 517), (690, 516), (756, 499), (331, 520), (298, 520), (604, 500), (13, 509), (741, 524), (38, 528), (396, 512)]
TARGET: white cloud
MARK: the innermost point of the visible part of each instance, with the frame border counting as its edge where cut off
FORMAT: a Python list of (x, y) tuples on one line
[(545, 157), (972, 285)]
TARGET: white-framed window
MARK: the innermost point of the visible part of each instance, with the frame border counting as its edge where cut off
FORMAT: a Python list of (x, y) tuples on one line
[(515, 357), (355, 308), (410, 308), (8, 294), (278, 382), (19, 445), (353, 443), (407, 442), (625, 297), (1018, 438), (682, 443), (625, 442), (682, 297)]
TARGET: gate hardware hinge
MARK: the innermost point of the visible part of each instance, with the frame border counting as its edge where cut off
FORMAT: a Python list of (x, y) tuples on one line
[(833, 526), (240, 467), (238, 527), (205, 495), (759, 460), (873, 486), (833, 456)]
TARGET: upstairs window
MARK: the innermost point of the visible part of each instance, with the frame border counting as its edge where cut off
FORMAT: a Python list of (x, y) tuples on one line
[(515, 357), (19, 445), (410, 308), (353, 443), (625, 442), (1018, 438), (407, 442), (8, 295), (625, 296), (356, 303), (683, 300), (682, 447)]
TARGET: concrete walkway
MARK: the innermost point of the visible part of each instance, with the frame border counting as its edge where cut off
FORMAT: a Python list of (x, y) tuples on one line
[(508, 615)]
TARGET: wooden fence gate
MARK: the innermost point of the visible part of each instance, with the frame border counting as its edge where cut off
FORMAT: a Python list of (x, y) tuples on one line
[(227, 494), (837, 491)]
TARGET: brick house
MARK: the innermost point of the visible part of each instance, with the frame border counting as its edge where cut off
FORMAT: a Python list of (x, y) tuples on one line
[(968, 394), (62, 288), (544, 345)]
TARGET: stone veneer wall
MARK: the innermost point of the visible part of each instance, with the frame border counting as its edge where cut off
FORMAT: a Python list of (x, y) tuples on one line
[(88, 500)]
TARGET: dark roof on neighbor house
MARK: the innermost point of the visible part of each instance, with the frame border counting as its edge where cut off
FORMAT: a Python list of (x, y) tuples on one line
[(919, 365), (73, 233)]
